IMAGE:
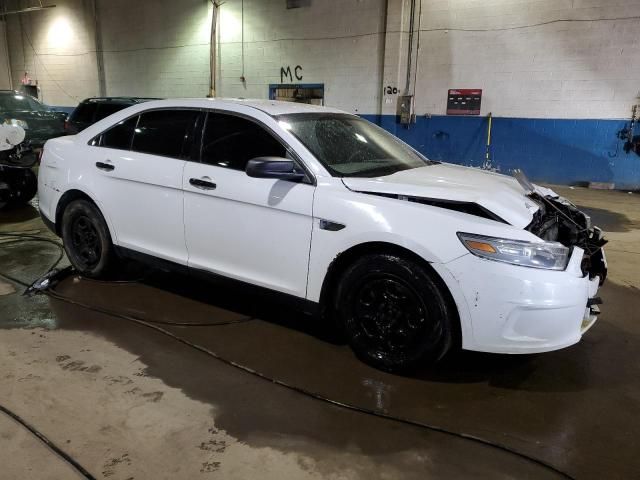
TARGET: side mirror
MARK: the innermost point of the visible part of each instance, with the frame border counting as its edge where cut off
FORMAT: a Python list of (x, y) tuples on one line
[(274, 167)]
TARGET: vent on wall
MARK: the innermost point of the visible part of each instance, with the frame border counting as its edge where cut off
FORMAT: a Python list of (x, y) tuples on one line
[(298, 3)]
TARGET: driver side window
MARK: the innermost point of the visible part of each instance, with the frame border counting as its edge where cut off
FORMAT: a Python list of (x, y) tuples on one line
[(230, 141)]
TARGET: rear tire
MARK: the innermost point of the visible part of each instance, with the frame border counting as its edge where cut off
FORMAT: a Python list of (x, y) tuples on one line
[(86, 239), (394, 313)]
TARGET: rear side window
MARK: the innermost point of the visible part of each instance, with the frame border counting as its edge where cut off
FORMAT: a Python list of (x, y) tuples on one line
[(120, 135), (106, 109), (165, 132), (230, 141), (83, 113)]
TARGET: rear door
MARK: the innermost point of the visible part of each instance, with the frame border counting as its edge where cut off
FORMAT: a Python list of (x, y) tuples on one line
[(141, 161), (252, 229)]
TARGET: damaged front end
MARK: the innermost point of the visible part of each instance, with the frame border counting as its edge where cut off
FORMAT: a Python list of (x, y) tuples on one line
[(559, 220)]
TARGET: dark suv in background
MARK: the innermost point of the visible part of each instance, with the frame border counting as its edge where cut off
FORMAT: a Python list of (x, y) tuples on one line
[(91, 110), (40, 122)]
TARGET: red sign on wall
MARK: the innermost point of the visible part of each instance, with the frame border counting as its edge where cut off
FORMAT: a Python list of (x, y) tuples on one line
[(464, 101)]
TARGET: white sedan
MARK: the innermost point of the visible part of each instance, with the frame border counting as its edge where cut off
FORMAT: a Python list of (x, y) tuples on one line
[(409, 256)]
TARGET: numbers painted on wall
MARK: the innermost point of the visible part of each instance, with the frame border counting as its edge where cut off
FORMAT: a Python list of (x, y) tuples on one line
[(389, 90)]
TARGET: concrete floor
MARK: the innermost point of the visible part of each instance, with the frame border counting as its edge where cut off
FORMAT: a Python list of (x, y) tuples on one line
[(130, 401)]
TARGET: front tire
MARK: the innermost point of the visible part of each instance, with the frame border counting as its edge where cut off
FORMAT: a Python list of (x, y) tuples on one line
[(86, 239), (394, 312)]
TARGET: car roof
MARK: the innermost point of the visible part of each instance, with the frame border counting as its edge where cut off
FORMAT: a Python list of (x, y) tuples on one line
[(119, 99), (270, 107)]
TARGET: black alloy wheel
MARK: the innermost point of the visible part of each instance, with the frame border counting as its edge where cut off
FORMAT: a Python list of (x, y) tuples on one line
[(86, 239), (394, 312)]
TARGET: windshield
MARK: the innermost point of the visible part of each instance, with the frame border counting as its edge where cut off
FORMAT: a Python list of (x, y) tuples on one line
[(18, 103), (349, 146)]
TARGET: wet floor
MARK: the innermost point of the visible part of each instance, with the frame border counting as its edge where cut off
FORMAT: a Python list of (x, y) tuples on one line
[(577, 409)]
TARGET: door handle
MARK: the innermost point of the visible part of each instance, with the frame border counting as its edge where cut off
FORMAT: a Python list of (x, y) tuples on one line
[(107, 167), (202, 184)]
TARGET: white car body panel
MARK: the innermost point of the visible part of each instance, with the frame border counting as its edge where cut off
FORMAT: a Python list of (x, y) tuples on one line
[(143, 198), (423, 229), (250, 229), (267, 232)]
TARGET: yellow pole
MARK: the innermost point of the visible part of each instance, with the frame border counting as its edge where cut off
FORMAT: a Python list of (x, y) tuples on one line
[(487, 156)]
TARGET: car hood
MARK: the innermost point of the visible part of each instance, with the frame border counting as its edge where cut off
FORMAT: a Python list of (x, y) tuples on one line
[(500, 194)]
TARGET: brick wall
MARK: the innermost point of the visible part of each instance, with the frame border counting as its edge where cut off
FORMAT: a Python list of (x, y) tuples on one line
[(559, 70), (56, 47), (160, 48), (156, 48), (334, 42), (528, 63), (150, 48)]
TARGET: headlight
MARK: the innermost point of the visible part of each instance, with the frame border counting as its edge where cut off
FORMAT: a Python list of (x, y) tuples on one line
[(548, 255), (16, 123)]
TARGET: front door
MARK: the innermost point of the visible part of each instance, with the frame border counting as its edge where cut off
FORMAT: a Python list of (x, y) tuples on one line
[(251, 229)]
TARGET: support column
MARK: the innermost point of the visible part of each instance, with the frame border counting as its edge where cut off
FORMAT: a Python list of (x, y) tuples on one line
[(102, 82)]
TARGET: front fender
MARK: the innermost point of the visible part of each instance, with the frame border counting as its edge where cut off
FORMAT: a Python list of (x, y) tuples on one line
[(428, 231)]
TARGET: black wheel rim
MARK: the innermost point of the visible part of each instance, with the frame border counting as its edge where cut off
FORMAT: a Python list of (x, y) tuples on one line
[(391, 320), (86, 241)]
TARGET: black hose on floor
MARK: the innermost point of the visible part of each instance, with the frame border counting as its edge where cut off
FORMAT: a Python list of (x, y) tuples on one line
[(17, 237), (307, 393), (191, 324), (154, 325), (23, 237), (13, 279), (52, 446)]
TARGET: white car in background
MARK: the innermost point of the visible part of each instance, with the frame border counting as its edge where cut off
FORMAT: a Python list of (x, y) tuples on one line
[(410, 256)]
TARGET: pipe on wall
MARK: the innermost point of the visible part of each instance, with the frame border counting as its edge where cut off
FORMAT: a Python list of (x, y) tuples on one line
[(213, 49), (102, 81), (383, 56), (412, 13), (6, 47), (417, 67)]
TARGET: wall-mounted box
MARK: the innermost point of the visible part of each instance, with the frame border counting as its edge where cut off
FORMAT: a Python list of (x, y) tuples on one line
[(405, 109)]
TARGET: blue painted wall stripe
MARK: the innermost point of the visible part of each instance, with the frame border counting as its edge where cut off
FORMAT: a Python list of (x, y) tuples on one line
[(548, 150)]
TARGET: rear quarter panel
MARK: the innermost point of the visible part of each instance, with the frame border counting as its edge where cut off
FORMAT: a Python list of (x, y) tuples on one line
[(66, 165)]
